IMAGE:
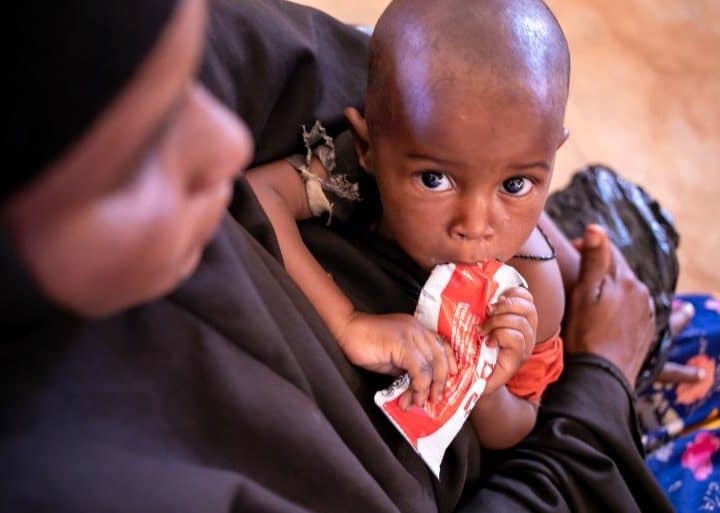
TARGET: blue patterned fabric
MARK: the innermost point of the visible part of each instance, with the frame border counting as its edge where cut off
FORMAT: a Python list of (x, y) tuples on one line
[(682, 421), (687, 469)]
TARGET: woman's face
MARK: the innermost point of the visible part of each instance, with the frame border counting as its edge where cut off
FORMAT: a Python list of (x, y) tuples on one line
[(124, 215)]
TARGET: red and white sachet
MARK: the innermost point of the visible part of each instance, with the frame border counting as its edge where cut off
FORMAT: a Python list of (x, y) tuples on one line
[(453, 303)]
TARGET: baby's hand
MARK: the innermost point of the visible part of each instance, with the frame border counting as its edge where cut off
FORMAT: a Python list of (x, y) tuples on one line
[(394, 343), (511, 325)]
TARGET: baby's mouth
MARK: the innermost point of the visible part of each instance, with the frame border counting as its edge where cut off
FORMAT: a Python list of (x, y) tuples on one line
[(460, 260), (470, 257)]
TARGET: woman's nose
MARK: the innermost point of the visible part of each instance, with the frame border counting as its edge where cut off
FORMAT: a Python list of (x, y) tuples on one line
[(243, 144), (226, 139)]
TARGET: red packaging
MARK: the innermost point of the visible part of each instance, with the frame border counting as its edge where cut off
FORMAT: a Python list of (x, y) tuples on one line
[(452, 303)]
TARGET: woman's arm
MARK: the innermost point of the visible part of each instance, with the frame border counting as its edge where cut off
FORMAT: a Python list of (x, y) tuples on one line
[(583, 437), (280, 65), (585, 452)]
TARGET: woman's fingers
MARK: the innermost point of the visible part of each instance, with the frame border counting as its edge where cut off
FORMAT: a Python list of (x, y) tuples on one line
[(597, 259), (609, 311)]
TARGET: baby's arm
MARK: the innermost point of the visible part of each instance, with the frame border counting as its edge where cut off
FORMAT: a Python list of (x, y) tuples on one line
[(501, 419), (281, 192), (381, 343)]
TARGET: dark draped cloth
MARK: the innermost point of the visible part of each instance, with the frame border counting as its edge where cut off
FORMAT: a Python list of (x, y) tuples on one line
[(230, 395)]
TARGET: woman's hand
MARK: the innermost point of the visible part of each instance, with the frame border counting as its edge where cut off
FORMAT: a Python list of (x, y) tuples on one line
[(610, 312)]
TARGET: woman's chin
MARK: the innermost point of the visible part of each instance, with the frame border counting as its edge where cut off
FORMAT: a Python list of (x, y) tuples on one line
[(190, 266)]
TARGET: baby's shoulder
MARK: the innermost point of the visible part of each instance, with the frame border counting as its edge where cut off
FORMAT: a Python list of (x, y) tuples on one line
[(542, 274)]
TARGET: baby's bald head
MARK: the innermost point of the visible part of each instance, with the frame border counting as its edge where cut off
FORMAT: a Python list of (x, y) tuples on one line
[(424, 49)]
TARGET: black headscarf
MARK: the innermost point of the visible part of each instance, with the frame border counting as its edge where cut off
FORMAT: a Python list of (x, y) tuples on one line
[(68, 60)]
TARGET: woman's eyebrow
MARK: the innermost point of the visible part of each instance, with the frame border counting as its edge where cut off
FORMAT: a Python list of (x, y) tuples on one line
[(156, 134), (164, 123)]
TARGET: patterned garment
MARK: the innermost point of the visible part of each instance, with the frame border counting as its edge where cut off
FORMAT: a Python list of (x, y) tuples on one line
[(682, 422)]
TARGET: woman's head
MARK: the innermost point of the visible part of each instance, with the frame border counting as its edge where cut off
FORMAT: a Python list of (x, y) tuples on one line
[(122, 212)]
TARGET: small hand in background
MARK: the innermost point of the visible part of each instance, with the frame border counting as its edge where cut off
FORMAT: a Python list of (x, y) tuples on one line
[(678, 373), (396, 343), (680, 316)]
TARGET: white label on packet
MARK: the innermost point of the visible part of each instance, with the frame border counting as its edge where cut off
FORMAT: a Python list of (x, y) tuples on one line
[(453, 303)]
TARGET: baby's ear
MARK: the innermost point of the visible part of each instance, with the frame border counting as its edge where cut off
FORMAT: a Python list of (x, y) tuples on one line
[(566, 135), (361, 136)]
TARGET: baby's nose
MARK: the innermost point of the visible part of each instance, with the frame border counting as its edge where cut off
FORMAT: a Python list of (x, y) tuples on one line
[(472, 221)]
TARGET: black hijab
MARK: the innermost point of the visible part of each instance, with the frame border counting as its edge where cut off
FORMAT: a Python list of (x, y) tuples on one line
[(68, 61)]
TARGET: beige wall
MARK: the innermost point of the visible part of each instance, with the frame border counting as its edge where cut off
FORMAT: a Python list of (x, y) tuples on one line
[(645, 99), (360, 12)]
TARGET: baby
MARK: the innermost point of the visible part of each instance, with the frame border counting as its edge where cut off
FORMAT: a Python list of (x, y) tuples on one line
[(463, 116)]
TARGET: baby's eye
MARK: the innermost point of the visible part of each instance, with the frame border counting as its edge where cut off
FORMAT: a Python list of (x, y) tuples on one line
[(517, 186), (435, 181)]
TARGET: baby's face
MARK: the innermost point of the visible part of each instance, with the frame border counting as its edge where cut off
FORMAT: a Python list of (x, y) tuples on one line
[(466, 180)]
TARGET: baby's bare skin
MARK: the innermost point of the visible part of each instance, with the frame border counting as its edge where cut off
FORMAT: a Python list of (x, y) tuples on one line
[(464, 114)]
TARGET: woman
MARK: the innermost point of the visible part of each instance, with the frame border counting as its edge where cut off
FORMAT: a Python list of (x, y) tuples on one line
[(147, 369)]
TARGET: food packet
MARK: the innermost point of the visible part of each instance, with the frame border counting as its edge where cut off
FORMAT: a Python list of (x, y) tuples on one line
[(453, 303)]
